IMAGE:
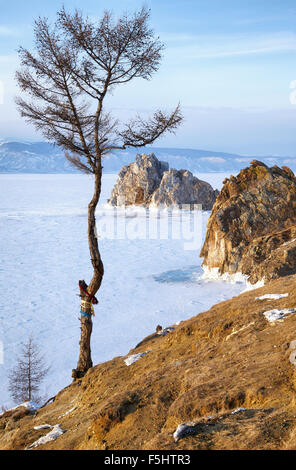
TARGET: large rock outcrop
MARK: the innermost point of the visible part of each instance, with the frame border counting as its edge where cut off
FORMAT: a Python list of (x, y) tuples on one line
[(148, 181), (179, 187), (252, 228), (137, 181)]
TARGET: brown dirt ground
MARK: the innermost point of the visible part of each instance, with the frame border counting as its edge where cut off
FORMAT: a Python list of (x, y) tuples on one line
[(210, 365)]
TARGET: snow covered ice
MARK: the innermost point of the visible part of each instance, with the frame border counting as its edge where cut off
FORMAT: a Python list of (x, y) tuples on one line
[(44, 252)]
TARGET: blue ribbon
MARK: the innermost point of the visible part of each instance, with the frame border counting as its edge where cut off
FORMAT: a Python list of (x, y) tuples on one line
[(85, 314)]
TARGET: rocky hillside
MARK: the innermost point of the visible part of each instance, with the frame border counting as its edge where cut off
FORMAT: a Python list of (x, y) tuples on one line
[(252, 227), (228, 373), (149, 182)]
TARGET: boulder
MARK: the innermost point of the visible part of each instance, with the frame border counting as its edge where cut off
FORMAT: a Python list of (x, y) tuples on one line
[(149, 182), (252, 227)]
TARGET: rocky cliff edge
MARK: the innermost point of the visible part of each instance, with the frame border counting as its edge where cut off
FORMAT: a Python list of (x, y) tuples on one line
[(252, 227)]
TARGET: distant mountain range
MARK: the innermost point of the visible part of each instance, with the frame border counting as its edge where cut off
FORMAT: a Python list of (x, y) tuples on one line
[(42, 157)]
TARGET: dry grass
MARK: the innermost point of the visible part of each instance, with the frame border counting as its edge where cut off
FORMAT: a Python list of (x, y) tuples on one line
[(220, 360)]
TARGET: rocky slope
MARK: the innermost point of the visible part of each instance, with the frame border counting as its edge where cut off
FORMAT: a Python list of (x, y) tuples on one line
[(148, 181), (252, 228), (229, 372)]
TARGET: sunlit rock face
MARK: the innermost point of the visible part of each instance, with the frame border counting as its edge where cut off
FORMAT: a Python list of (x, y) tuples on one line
[(137, 181), (149, 182), (180, 187), (252, 227)]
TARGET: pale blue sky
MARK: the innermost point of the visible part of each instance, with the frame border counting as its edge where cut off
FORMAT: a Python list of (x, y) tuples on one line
[(230, 64)]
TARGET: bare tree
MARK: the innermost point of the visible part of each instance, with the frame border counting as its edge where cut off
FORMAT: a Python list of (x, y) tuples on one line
[(76, 63), (26, 377)]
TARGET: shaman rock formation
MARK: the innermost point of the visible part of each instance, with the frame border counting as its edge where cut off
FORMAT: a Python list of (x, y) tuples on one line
[(252, 227), (149, 182)]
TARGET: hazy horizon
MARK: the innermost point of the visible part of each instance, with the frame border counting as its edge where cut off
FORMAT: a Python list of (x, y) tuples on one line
[(233, 69)]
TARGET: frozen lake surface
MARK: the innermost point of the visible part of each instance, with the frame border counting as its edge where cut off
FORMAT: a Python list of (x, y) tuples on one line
[(44, 252)]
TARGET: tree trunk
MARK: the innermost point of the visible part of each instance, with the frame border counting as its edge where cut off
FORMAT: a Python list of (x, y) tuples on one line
[(87, 292)]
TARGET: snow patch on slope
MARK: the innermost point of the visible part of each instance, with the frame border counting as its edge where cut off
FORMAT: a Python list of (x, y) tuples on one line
[(30, 405), (278, 314), (56, 432), (272, 296), (134, 358)]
